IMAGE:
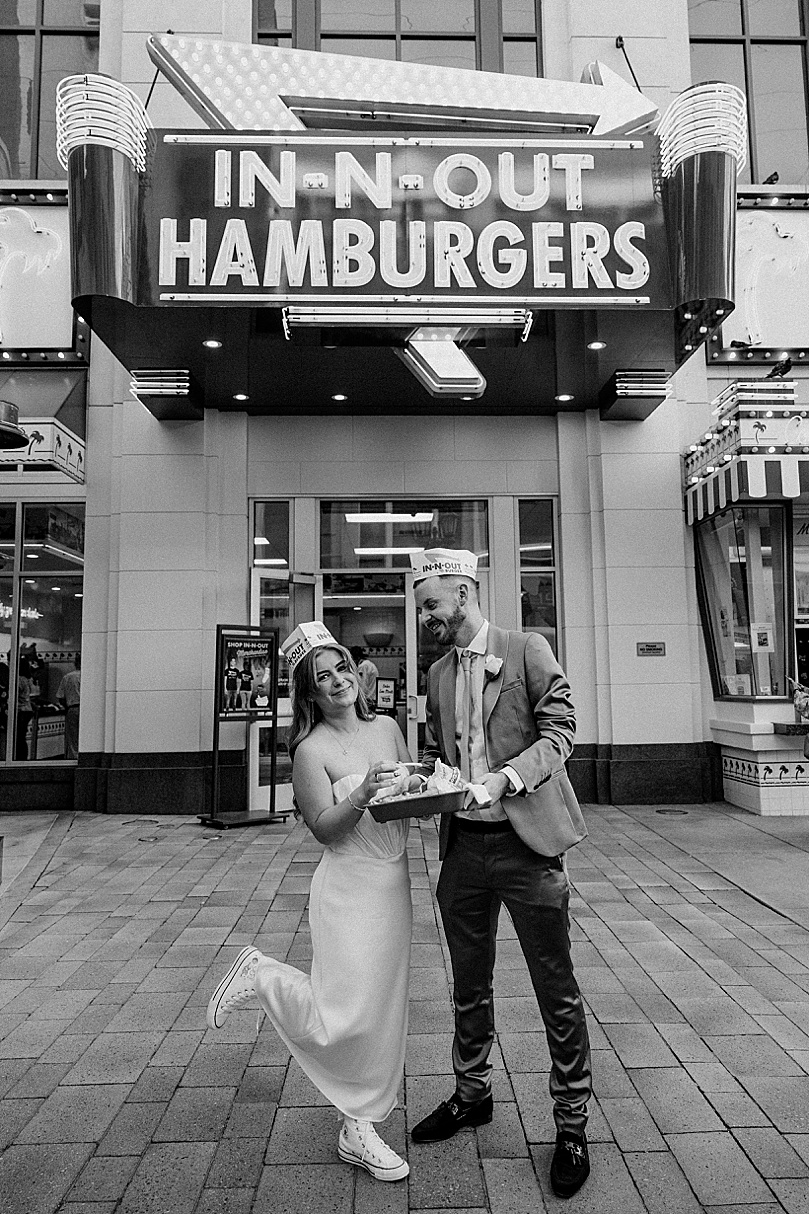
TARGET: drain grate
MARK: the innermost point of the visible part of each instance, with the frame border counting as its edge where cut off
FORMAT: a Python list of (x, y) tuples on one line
[(678, 813)]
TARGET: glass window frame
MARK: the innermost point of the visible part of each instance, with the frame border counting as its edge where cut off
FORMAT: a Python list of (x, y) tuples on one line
[(384, 564), (551, 569), (40, 30), (787, 606), (747, 41), (488, 36), (17, 574)]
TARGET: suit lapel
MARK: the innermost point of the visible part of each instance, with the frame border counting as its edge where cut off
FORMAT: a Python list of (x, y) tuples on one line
[(497, 645), (446, 704)]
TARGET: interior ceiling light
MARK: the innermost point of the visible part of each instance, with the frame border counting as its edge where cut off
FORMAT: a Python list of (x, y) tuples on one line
[(563, 396), (386, 551), (339, 396), (370, 516), (212, 344), (240, 396), (261, 539), (596, 345)]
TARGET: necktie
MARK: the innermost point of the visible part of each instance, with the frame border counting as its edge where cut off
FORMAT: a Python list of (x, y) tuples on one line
[(469, 717)]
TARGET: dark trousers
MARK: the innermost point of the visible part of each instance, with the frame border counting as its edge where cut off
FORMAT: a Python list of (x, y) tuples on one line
[(481, 871)]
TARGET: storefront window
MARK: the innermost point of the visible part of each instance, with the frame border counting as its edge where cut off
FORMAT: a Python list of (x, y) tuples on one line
[(537, 568), (271, 556), (6, 590), (740, 560), (760, 46), (53, 538), (41, 600), (382, 534), (271, 535), (800, 565), (495, 35), (41, 42)]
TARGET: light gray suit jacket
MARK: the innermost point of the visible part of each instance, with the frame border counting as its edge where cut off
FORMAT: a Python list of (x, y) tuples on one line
[(529, 723)]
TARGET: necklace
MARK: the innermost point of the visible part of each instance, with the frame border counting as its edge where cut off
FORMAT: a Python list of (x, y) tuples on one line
[(345, 749)]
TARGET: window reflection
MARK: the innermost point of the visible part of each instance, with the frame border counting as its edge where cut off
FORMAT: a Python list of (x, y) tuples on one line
[(780, 112), (740, 557), (715, 16), (520, 58), (382, 534), (439, 52), (424, 16), (49, 649), (271, 535), (536, 551), (367, 48), (16, 98), (519, 16), (41, 599), (274, 15), (32, 63), (6, 591), (357, 15), (60, 57), (53, 537)]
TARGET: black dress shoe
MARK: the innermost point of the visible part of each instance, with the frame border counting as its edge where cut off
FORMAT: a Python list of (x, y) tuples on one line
[(450, 1116), (570, 1166)]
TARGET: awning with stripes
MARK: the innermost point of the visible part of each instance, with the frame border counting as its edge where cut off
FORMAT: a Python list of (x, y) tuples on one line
[(756, 477)]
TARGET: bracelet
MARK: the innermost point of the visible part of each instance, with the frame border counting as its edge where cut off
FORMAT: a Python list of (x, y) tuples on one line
[(359, 808)]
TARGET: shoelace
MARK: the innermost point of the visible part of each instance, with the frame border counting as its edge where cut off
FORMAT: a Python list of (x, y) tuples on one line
[(371, 1143), (248, 974)]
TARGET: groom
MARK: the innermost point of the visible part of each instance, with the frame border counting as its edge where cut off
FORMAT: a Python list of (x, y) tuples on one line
[(498, 707)]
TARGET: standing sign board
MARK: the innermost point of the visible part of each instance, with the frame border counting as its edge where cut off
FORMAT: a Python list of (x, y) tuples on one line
[(245, 689)]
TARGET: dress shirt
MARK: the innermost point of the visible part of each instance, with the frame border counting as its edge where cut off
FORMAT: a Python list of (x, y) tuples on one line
[(477, 760)]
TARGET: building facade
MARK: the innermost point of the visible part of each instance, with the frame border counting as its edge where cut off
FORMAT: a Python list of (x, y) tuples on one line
[(283, 481)]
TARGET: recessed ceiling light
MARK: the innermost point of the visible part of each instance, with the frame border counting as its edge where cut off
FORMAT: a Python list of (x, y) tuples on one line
[(213, 344), (240, 396), (596, 345), (564, 396), (339, 396)]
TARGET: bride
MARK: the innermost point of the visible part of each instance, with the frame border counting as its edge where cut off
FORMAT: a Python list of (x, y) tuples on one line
[(347, 1024)]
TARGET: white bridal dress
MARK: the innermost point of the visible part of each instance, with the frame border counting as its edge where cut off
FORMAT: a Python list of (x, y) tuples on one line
[(347, 1024)]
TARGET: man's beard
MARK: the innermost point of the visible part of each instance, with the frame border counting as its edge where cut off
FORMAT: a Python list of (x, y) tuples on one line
[(453, 625)]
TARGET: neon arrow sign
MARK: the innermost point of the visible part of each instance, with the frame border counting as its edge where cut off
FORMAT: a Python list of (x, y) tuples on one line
[(234, 86)]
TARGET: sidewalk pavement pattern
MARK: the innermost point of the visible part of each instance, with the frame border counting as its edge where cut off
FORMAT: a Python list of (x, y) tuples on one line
[(691, 942)]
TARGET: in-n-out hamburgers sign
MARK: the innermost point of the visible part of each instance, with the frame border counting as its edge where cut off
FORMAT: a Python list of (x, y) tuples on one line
[(250, 218)]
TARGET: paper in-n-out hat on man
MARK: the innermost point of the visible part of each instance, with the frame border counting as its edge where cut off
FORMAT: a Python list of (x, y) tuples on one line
[(305, 638), (443, 562)]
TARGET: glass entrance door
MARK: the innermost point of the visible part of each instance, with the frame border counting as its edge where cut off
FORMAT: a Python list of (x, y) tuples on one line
[(367, 613), (277, 600), (423, 650)]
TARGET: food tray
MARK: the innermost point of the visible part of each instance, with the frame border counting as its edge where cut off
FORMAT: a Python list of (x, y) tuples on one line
[(417, 806)]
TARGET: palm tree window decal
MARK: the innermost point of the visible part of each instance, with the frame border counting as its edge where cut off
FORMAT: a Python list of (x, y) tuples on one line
[(21, 238)]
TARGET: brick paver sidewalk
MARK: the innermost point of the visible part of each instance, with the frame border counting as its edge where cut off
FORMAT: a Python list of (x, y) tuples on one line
[(116, 1098)]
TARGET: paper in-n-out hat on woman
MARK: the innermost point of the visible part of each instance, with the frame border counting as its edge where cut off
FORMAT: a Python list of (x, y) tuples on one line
[(443, 562), (303, 639)]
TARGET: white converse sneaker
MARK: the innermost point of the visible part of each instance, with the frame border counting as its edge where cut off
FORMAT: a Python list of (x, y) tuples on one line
[(236, 988), (360, 1144)]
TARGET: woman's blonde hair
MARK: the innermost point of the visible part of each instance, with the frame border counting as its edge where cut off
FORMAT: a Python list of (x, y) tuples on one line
[(305, 712)]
